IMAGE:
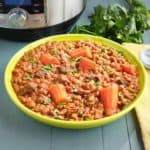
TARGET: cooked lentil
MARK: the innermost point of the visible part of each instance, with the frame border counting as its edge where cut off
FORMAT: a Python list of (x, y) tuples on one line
[(77, 92)]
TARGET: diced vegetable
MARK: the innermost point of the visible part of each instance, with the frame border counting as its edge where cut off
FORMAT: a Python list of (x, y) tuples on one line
[(48, 59), (58, 93), (87, 64), (109, 98), (118, 67), (131, 69), (82, 51)]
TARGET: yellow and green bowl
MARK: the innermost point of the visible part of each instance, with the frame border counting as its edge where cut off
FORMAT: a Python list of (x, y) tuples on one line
[(73, 124)]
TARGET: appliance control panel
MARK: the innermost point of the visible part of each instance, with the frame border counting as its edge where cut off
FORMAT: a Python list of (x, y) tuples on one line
[(22, 14)]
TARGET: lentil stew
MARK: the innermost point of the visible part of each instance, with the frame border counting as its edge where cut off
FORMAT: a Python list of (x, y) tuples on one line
[(75, 80)]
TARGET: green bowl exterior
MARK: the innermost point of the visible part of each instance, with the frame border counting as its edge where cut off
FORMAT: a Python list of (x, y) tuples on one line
[(73, 124)]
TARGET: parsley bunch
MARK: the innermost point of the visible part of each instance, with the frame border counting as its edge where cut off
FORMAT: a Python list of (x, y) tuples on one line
[(120, 23)]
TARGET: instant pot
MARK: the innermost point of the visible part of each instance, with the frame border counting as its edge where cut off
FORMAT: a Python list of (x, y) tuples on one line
[(27, 20)]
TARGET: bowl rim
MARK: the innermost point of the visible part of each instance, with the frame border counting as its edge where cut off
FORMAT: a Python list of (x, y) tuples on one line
[(64, 123)]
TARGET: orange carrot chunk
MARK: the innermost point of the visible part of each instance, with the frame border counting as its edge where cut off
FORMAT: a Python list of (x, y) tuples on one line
[(82, 51), (131, 69), (58, 93), (118, 67), (87, 64), (48, 59), (109, 98)]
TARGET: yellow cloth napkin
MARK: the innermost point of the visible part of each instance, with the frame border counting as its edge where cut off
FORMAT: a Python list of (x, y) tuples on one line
[(143, 107)]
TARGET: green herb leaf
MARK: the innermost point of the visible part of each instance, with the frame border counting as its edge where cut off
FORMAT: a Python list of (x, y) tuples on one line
[(47, 67), (75, 70), (120, 23), (96, 80), (80, 112), (97, 83), (54, 51), (125, 106), (75, 90), (88, 79), (47, 101), (76, 59), (110, 69), (72, 99), (32, 60), (28, 76)]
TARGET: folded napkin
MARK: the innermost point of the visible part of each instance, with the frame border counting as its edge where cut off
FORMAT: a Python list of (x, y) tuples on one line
[(143, 107)]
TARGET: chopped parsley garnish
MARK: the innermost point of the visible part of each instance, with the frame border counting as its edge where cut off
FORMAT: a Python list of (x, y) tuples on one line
[(96, 80), (125, 106), (76, 58), (72, 99), (110, 69), (75, 91), (32, 60), (47, 67), (75, 70), (80, 112), (54, 51), (47, 101), (28, 76), (97, 83), (88, 79)]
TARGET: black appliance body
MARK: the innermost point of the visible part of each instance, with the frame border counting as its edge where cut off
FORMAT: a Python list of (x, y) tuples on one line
[(28, 20)]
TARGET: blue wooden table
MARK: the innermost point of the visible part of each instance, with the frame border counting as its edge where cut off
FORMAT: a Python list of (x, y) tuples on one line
[(19, 132)]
